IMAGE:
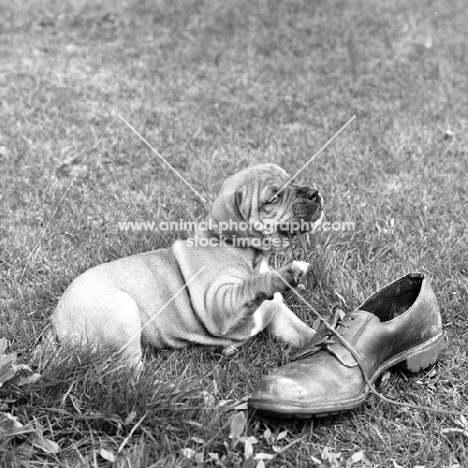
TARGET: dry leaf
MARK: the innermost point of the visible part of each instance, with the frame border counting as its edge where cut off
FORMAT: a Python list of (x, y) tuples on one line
[(3, 345), (238, 423), (355, 458), (331, 457), (264, 456), (28, 379), (454, 429), (463, 421), (46, 445), (188, 453), (248, 450), (281, 435), (267, 434), (130, 417), (316, 460), (385, 377), (107, 455), (9, 423)]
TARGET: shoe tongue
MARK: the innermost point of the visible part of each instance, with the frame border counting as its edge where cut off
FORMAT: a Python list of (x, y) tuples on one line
[(315, 344)]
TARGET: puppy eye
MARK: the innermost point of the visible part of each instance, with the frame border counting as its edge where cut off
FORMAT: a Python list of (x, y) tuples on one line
[(273, 199)]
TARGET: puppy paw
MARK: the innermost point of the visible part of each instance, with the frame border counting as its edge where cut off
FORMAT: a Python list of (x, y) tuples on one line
[(291, 274), (301, 267)]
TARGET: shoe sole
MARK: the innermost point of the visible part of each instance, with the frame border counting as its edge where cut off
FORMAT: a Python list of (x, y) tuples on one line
[(413, 360)]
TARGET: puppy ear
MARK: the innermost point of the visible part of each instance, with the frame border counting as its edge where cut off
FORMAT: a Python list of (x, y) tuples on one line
[(238, 196)]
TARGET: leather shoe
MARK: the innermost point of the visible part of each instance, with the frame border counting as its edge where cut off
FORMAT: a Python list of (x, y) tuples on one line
[(398, 325)]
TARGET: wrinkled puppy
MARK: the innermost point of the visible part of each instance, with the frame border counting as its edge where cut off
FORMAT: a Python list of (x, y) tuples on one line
[(215, 288)]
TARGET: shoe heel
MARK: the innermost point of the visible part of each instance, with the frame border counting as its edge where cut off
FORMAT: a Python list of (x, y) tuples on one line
[(427, 355)]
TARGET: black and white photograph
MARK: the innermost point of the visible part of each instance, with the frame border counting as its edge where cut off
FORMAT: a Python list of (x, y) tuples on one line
[(233, 234)]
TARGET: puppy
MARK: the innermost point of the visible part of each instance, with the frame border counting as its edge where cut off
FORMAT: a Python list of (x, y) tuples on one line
[(215, 288)]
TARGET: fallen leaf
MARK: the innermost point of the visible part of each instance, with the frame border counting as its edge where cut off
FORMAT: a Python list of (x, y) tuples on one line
[(281, 435), (248, 450), (130, 417), (355, 458), (46, 445), (238, 423), (28, 379), (264, 456), (316, 460), (6, 360), (9, 423), (267, 434), (107, 455), (463, 421), (454, 429), (198, 440), (188, 453), (329, 456)]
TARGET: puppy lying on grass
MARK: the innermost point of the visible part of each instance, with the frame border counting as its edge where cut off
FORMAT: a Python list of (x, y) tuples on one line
[(215, 288)]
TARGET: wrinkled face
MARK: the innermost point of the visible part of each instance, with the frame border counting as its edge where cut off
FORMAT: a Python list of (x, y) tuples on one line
[(268, 204), (295, 209)]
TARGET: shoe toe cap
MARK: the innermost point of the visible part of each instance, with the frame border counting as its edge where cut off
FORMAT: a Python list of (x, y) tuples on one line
[(314, 386)]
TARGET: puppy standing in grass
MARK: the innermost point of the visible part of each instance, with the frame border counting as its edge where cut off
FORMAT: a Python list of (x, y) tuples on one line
[(217, 294)]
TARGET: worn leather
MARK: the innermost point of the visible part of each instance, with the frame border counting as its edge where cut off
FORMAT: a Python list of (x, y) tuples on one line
[(326, 376)]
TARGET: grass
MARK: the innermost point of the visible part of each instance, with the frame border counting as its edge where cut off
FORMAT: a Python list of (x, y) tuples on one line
[(216, 86)]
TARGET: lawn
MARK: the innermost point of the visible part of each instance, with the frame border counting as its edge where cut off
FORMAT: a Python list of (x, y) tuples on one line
[(214, 87)]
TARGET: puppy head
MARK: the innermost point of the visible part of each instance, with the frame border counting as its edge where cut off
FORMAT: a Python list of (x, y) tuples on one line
[(251, 205)]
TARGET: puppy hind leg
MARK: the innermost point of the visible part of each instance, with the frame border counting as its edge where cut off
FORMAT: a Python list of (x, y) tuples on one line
[(119, 328)]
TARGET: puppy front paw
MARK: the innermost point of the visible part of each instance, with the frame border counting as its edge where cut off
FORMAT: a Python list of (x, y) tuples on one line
[(291, 274)]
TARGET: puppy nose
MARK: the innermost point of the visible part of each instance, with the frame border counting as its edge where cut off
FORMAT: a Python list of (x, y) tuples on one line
[(313, 194)]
